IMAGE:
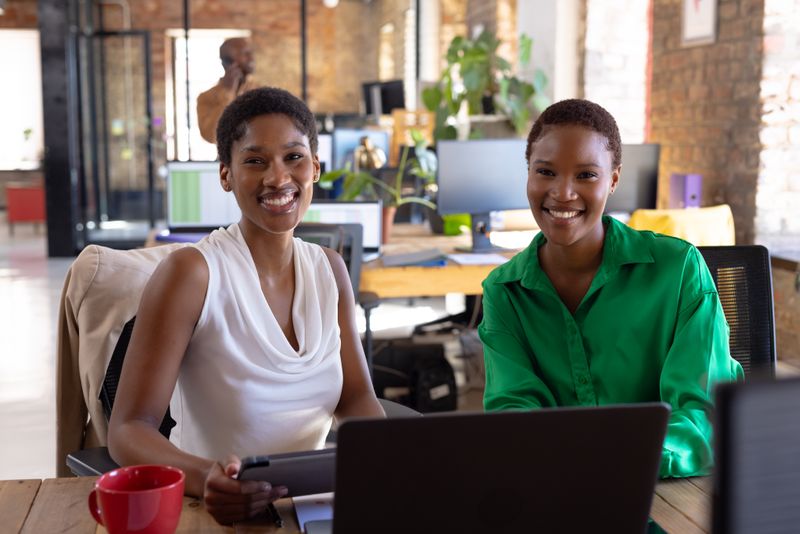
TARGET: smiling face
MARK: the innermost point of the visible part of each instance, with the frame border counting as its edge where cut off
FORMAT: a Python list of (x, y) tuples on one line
[(272, 172), (570, 176)]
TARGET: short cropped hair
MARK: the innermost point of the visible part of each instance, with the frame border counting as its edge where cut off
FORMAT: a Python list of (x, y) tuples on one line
[(582, 113), (232, 124)]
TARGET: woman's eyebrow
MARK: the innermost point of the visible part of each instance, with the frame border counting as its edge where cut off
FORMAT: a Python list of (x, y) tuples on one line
[(292, 144), (545, 162), (259, 149)]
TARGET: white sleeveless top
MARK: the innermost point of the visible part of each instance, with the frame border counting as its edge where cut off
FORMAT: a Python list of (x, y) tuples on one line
[(242, 388)]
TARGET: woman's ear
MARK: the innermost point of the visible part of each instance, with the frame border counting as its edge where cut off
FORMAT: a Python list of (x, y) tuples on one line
[(317, 167), (225, 177), (614, 180)]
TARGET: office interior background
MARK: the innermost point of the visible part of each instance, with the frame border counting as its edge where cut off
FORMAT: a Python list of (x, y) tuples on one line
[(98, 96)]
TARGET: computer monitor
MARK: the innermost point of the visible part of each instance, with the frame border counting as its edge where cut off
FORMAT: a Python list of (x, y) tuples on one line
[(638, 179), (380, 98), (196, 201), (345, 140), (481, 176)]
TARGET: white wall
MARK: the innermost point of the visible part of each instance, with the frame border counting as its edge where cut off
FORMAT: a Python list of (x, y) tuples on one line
[(20, 100), (554, 26)]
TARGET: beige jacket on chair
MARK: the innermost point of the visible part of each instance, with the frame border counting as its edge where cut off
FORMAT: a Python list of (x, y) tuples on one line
[(101, 293)]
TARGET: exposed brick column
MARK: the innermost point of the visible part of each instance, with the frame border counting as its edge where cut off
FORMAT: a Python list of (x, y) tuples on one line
[(778, 195), (705, 106)]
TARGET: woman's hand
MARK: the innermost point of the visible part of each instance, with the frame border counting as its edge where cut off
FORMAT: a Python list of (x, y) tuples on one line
[(229, 500)]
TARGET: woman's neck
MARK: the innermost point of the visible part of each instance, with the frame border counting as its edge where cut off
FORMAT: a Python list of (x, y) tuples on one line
[(583, 256), (272, 253)]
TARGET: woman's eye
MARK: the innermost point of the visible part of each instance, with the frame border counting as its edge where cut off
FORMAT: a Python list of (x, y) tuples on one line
[(545, 172), (587, 175), (294, 156), (253, 161)]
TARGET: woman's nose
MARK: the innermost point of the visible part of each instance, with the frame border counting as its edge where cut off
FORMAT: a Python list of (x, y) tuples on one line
[(564, 189), (276, 174)]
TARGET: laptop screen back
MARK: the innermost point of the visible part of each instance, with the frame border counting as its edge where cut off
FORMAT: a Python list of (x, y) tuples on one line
[(368, 214), (550, 470)]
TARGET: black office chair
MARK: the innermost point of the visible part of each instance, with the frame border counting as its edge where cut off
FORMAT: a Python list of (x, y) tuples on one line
[(743, 277), (347, 240)]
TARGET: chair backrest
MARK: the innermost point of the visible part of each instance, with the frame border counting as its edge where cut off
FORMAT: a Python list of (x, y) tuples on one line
[(345, 238), (743, 277), (100, 297)]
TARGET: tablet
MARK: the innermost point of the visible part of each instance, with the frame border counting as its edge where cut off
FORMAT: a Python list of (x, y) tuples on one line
[(303, 473)]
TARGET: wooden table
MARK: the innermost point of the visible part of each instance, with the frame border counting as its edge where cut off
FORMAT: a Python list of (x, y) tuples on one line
[(60, 505), (405, 282)]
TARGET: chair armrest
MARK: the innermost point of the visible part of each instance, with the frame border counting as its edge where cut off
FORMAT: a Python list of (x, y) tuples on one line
[(395, 409), (90, 462)]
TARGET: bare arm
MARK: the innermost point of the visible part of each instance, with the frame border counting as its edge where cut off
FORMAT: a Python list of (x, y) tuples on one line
[(169, 309), (358, 396), (168, 313)]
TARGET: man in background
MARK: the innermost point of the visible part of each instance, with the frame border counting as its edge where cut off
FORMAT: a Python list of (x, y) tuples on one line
[(237, 59)]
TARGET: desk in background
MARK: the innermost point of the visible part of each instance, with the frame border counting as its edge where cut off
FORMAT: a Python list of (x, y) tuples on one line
[(412, 281), (60, 505)]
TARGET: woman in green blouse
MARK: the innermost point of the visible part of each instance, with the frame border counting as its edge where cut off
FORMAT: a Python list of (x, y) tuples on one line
[(593, 312)]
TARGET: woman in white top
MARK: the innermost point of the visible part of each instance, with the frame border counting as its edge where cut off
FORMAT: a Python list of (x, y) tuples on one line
[(254, 327)]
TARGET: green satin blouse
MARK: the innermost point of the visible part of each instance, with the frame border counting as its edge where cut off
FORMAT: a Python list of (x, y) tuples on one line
[(650, 328)]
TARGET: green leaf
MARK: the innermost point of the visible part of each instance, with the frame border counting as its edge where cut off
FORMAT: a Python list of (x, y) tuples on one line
[(432, 97), (525, 48), (417, 200), (539, 80), (330, 176), (540, 101), (502, 64)]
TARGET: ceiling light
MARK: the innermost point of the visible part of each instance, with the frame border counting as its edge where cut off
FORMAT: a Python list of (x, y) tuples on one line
[(330, 3)]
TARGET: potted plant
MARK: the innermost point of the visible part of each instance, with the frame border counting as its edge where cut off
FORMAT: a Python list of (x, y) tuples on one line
[(365, 185), (477, 76)]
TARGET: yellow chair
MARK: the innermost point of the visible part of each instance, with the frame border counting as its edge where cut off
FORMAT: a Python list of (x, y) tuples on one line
[(712, 226)]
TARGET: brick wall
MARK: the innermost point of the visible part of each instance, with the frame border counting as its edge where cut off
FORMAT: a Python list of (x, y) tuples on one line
[(453, 17), (778, 195), (498, 17), (787, 312), (20, 14), (615, 62), (705, 106)]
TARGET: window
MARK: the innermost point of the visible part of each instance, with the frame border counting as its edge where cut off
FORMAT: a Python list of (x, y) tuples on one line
[(184, 143), (21, 127)]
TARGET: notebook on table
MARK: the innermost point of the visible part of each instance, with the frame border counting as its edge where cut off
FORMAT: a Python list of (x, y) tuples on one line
[(552, 470)]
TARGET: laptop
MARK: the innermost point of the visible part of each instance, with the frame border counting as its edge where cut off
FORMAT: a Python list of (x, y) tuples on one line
[(757, 475), (551, 470), (369, 214)]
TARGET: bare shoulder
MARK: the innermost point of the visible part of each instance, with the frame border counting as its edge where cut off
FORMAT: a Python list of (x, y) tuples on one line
[(338, 267), (184, 268)]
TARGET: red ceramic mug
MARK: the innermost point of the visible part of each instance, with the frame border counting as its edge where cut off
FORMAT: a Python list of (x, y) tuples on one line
[(140, 499)]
